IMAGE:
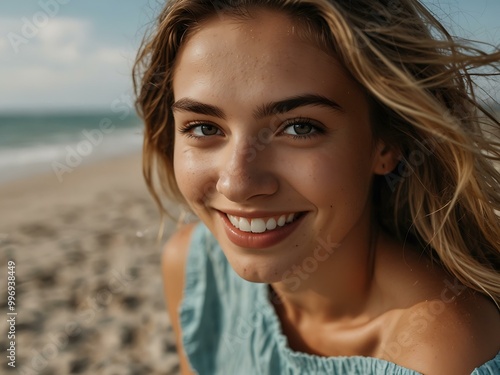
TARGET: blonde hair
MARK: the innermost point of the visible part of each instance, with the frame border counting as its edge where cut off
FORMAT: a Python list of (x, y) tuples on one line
[(444, 195)]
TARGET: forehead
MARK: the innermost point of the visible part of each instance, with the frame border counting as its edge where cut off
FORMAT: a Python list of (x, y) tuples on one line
[(249, 40), (262, 54)]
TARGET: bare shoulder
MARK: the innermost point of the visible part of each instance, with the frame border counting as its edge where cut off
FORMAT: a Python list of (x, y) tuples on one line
[(452, 334), (434, 324), (174, 260), (176, 249)]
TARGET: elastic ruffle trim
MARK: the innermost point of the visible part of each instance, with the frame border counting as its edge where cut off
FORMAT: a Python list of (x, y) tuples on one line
[(304, 363), (489, 368)]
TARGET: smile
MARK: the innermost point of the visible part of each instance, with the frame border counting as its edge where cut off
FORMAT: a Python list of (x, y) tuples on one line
[(261, 225), (260, 232)]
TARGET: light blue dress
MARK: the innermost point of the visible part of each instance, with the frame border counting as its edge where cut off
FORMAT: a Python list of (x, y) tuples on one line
[(230, 327)]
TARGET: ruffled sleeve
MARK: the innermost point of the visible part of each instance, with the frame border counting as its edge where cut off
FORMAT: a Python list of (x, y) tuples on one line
[(199, 308), (209, 305), (489, 368)]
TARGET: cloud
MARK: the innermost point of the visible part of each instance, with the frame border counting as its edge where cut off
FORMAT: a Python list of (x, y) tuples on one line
[(63, 40), (111, 55), (7, 26), (3, 46), (64, 64), (59, 39)]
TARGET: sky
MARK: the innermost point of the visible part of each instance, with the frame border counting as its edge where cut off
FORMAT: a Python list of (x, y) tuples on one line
[(62, 55)]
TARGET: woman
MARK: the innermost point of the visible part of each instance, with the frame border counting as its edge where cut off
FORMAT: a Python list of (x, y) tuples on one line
[(334, 153)]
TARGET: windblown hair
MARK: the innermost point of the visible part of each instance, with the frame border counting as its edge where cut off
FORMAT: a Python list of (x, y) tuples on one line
[(444, 195)]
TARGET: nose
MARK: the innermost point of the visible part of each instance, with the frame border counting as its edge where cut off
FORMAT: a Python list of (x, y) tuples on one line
[(246, 172)]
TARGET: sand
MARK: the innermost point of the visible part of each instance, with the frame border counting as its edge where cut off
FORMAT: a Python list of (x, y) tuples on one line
[(89, 296)]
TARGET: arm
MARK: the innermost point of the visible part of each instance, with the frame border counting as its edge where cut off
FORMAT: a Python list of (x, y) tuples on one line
[(173, 269)]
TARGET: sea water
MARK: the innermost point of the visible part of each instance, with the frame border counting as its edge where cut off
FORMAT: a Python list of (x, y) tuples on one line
[(58, 143)]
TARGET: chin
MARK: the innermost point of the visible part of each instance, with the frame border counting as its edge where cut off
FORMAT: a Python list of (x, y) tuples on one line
[(258, 276), (257, 270)]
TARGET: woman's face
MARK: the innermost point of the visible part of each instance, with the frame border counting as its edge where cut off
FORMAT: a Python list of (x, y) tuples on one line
[(273, 144)]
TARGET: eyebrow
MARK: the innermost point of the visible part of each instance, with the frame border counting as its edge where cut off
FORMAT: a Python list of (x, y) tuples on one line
[(191, 105), (269, 109), (289, 104)]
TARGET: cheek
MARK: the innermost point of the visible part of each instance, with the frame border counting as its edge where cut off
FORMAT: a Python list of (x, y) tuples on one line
[(335, 180), (193, 175)]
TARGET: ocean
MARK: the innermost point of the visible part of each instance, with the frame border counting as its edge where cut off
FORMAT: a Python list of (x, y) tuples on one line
[(60, 142)]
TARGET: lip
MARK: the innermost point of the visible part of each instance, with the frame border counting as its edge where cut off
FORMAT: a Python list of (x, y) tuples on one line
[(255, 214), (258, 240)]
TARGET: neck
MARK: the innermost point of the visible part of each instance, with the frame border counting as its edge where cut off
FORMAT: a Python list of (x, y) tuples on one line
[(338, 288)]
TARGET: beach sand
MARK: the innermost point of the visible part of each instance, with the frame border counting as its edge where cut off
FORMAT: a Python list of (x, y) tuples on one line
[(89, 296)]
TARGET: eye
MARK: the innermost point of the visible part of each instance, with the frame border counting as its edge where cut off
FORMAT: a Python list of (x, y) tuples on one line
[(301, 128), (298, 129), (204, 130), (200, 130)]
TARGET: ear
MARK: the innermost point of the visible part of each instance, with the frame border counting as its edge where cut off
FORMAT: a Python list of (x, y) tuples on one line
[(386, 158)]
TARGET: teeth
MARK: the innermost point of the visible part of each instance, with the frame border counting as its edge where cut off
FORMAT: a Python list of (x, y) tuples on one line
[(282, 220), (271, 224), (233, 220), (260, 225), (245, 225)]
